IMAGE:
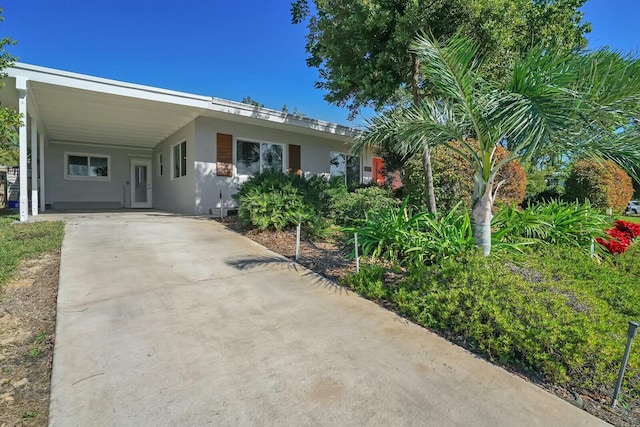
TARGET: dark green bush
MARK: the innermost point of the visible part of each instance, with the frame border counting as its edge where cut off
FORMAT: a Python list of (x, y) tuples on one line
[(274, 200), (553, 316), (350, 209), (549, 194), (275, 209), (311, 189)]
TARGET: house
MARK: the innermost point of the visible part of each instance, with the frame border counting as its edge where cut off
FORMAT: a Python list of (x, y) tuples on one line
[(102, 144)]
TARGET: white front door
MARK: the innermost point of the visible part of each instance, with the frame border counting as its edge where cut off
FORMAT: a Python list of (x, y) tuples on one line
[(141, 183)]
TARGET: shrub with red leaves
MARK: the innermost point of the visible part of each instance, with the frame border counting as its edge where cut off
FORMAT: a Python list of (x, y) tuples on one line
[(620, 236)]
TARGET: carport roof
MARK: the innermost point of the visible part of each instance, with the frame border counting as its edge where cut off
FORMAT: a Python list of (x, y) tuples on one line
[(73, 107)]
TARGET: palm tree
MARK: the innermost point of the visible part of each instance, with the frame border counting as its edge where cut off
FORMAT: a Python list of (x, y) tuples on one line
[(570, 102)]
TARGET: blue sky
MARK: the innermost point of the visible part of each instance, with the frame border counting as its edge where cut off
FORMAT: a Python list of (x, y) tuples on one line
[(227, 49)]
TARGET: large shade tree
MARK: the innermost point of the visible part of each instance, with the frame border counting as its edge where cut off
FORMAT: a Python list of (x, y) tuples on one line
[(553, 99), (361, 47), (10, 119)]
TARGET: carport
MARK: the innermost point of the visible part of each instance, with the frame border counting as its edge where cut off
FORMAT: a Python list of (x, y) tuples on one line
[(63, 107)]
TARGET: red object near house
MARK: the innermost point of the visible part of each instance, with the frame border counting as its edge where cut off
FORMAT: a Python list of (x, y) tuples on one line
[(377, 171), (621, 235)]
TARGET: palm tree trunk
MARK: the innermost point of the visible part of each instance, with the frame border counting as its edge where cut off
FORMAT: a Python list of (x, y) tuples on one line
[(430, 194), (482, 214), (428, 180)]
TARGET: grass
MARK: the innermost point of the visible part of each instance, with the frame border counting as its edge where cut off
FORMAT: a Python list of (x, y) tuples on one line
[(19, 241), (635, 219)]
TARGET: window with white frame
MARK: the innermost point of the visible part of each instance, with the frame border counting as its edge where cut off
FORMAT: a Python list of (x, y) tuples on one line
[(254, 157), (341, 165), (87, 166), (160, 164), (179, 154)]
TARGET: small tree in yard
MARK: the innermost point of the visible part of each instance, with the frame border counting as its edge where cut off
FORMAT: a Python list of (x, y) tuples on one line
[(604, 184), (554, 99), (10, 119)]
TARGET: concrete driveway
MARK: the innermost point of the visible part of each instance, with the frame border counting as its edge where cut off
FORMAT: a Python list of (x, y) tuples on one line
[(166, 320)]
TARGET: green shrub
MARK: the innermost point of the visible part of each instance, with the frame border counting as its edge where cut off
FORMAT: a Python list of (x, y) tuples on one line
[(368, 282), (351, 209), (554, 222), (549, 194), (398, 235), (311, 189), (541, 314), (275, 209), (275, 200), (603, 184)]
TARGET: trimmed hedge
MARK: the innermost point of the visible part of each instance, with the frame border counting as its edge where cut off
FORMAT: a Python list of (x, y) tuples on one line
[(604, 184)]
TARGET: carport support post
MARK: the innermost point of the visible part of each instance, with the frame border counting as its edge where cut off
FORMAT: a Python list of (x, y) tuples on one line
[(21, 86), (34, 167), (41, 194)]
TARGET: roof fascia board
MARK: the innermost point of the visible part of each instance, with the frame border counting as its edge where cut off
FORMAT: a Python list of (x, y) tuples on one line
[(95, 84), (53, 76)]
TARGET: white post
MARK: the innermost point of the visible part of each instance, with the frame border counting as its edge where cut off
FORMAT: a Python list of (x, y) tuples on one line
[(21, 86), (355, 239), (221, 207), (34, 167), (298, 239), (41, 194)]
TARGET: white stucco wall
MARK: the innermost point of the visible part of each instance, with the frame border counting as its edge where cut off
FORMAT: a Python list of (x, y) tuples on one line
[(314, 157), (67, 193), (175, 195)]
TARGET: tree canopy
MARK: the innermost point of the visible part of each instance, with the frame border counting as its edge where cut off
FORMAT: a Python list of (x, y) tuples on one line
[(10, 119), (569, 101), (361, 47)]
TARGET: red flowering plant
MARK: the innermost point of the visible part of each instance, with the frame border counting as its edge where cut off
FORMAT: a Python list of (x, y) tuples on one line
[(620, 236)]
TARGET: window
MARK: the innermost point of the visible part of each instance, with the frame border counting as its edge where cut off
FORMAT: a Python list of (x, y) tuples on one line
[(87, 166), (160, 164), (347, 166), (255, 157), (179, 152)]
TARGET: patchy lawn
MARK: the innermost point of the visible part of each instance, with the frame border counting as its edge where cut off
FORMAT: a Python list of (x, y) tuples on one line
[(29, 262)]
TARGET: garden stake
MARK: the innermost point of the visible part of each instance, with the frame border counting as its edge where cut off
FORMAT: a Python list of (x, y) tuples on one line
[(355, 238), (221, 211), (298, 239), (633, 330), (593, 249)]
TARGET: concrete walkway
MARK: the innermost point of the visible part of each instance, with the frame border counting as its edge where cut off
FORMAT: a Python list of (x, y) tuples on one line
[(172, 321)]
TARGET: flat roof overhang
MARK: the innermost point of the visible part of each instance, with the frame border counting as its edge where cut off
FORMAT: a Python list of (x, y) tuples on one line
[(84, 109)]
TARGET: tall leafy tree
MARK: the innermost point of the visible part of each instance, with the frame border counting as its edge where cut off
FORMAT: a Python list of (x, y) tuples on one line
[(571, 102), (10, 119), (361, 47)]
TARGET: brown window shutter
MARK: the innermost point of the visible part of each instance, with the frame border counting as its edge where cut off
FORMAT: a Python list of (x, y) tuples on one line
[(224, 155), (294, 159)]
